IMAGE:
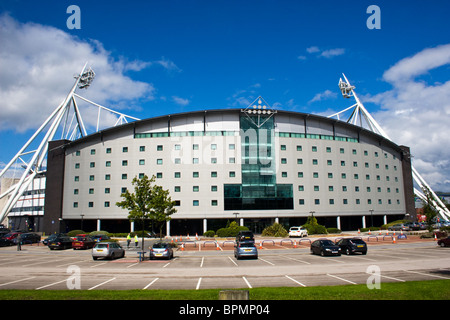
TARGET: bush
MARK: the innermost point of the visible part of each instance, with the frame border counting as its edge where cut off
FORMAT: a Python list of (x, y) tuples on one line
[(314, 227), (96, 233), (209, 233), (73, 233), (275, 230), (231, 231)]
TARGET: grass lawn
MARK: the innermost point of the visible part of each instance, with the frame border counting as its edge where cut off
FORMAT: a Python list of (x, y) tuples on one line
[(411, 290)]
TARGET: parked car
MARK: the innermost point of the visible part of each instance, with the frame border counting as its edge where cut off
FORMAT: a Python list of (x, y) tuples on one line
[(60, 243), (445, 242), (352, 245), (100, 237), (52, 237), (161, 250), (325, 247), (108, 250), (5, 242), (28, 238), (399, 227), (245, 236), (413, 226), (83, 241), (298, 232), (245, 249), (11, 236)]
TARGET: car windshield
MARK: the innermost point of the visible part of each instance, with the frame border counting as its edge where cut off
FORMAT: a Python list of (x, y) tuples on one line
[(327, 243), (160, 245), (357, 241)]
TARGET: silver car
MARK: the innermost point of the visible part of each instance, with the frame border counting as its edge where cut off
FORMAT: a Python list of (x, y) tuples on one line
[(109, 250), (161, 250), (245, 249)]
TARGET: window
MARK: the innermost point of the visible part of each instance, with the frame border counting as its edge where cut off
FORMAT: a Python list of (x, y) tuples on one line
[(75, 204), (315, 175), (316, 201), (77, 153), (159, 148), (232, 174), (92, 152), (75, 191), (77, 166), (213, 160), (301, 188), (283, 161), (299, 148), (108, 164), (141, 148), (331, 201), (106, 204), (125, 149), (315, 162), (316, 188), (232, 146), (178, 147), (213, 174), (159, 161), (159, 175), (91, 204), (328, 149), (91, 178), (124, 163), (177, 174), (232, 160), (177, 189), (108, 150), (107, 177), (214, 147), (124, 176), (283, 147), (214, 188), (195, 147), (195, 160), (195, 188), (214, 203), (301, 201), (177, 160), (341, 150), (91, 190), (195, 203), (299, 161), (284, 174), (195, 174), (107, 190), (314, 149), (141, 162)]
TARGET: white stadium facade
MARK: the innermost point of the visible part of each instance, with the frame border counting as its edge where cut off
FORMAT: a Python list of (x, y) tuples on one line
[(257, 165)]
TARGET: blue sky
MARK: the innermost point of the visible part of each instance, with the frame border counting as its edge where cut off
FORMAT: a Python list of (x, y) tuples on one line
[(160, 57)]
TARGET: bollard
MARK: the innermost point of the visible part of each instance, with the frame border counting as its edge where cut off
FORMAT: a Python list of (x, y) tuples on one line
[(234, 295)]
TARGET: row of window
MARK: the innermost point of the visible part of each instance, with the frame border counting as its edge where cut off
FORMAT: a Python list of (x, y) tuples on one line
[(232, 146), (215, 203), (346, 202), (159, 175)]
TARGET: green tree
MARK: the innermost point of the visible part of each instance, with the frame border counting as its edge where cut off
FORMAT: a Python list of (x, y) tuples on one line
[(148, 202)]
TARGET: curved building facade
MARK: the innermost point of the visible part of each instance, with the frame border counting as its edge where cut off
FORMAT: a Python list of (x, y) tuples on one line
[(254, 165)]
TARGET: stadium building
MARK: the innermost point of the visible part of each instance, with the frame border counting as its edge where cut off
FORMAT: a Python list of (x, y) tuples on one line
[(257, 166)]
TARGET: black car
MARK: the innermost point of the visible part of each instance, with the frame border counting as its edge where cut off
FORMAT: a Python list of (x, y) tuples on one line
[(100, 237), (245, 236), (352, 245), (60, 243), (5, 242), (325, 247), (52, 237), (29, 238)]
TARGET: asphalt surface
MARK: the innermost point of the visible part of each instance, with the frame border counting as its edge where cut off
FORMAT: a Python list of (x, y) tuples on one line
[(203, 265)]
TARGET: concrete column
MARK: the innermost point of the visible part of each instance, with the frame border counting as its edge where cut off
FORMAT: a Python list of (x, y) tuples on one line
[(132, 226), (338, 222), (205, 225), (385, 219), (99, 225), (277, 220), (168, 228), (241, 222), (364, 221)]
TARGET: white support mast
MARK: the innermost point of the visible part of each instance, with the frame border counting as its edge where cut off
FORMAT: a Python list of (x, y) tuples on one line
[(359, 111), (72, 128)]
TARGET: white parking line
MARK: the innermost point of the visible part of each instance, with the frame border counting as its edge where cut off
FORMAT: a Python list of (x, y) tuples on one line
[(426, 274), (299, 283), (147, 286), (11, 282), (198, 283), (293, 259), (233, 262), (248, 283), (201, 264), (51, 284), (331, 275), (132, 265), (400, 280), (267, 261), (100, 284), (98, 264)]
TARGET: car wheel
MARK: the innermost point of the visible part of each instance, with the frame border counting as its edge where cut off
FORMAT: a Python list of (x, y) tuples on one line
[(347, 252), (322, 253), (95, 258), (442, 244)]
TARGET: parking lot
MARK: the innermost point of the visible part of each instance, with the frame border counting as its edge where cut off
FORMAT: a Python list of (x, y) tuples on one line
[(204, 266)]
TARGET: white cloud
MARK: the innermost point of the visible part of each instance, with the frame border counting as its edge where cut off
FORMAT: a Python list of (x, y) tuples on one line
[(328, 54), (327, 94), (180, 101), (417, 114), (37, 63)]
